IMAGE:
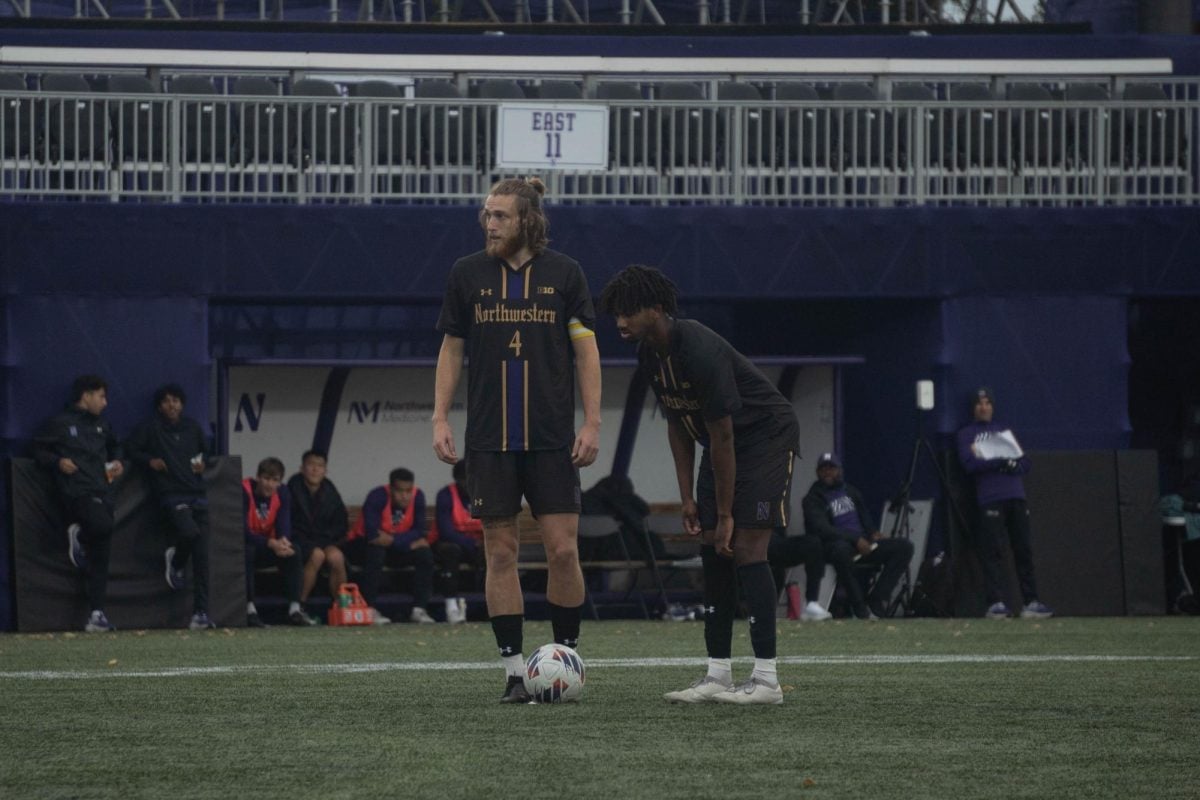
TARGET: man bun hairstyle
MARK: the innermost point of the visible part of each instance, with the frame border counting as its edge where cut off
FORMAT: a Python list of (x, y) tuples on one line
[(535, 227), (637, 287)]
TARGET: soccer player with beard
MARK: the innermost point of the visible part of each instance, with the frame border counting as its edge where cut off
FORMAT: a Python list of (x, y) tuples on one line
[(522, 314), (712, 395)]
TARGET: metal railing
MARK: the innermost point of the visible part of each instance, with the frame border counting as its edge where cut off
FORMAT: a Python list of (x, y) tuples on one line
[(222, 148)]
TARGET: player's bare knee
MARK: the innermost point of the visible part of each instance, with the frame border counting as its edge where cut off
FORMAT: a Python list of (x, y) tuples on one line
[(561, 555)]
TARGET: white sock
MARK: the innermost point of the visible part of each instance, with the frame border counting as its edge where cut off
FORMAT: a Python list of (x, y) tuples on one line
[(293, 608), (514, 666), (250, 609), (764, 670), (721, 669)]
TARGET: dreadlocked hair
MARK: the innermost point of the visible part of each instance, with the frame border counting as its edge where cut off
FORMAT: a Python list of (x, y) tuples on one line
[(534, 224), (637, 287)]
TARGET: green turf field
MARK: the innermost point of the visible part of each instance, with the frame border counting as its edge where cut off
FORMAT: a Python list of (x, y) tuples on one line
[(1094, 708)]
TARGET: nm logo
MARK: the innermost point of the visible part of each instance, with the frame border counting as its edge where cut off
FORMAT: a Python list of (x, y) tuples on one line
[(363, 412), (247, 415)]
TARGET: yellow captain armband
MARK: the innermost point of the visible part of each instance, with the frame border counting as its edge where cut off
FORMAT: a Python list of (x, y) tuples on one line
[(577, 330)]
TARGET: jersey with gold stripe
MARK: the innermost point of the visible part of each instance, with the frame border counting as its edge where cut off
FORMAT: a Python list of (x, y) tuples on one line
[(519, 326), (702, 377)]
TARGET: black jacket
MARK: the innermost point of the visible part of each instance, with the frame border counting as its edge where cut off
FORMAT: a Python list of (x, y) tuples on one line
[(819, 520), (86, 439), (317, 519), (175, 445)]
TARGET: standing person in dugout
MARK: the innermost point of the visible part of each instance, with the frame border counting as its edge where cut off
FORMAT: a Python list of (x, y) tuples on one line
[(991, 456), (80, 447), (174, 451), (713, 396), (522, 314)]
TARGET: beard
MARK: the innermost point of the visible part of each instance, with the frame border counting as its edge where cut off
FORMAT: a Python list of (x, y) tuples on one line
[(505, 248)]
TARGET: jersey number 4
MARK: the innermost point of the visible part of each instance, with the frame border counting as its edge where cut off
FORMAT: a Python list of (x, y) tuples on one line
[(515, 344)]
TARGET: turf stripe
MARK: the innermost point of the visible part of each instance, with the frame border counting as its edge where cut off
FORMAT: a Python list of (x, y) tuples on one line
[(592, 663)]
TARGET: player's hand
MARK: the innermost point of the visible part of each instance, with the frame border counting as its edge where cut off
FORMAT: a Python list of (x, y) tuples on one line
[(691, 518), (419, 543), (158, 465), (723, 537), (587, 446), (863, 546), (67, 467), (443, 442), (116, 470)]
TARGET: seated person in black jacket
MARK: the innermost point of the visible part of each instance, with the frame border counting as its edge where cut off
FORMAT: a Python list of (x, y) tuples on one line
[(174, 449), (319, 523), (835, 511)]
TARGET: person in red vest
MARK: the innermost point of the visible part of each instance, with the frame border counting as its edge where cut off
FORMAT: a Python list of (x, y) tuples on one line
[(457, 538), (267, 514), (392, 531)]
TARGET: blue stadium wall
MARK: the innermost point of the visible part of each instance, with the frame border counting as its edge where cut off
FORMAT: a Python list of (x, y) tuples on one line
[(1034, 302)]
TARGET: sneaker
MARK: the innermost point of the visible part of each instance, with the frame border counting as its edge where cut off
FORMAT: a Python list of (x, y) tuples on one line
[(254, 621), (702, 691), (175, 577), (863, 611), (98, 623), (877, 609), (299, 618), (814, 612), (751, 693), (420, 615), (74, 547), (514, 691), (998, 611), (1036, 609), (456, 610), (379, 619), (201, 622)]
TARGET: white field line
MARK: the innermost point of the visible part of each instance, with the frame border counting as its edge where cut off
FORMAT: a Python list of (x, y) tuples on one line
[(592, 663)]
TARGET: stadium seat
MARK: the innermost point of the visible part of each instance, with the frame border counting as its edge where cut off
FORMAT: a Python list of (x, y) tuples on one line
[(205, 122), (627, 139), (139, 126), (558, 90), (801, 134), (326, 130), (76, 128), (445, 134), (1155, 136), (264, 134), (1037, 131), (753, 143), (493, 89), (979, 136), (604, 527), (1082, 124), (393, 127), (687, 130), (857, 133), (17, 122), (931, 122)]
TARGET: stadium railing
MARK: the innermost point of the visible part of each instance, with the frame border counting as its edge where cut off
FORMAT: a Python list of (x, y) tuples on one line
[(1051, 145)]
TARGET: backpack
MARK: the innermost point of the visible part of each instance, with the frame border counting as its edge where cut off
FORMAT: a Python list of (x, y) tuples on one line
[(933, 592)]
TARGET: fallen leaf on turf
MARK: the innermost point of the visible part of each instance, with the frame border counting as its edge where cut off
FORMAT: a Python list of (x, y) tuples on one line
[(809, 783), (112, 662), (958, 633)]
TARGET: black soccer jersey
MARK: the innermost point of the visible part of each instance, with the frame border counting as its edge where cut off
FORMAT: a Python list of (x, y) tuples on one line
[(704, 378), (518, 326)]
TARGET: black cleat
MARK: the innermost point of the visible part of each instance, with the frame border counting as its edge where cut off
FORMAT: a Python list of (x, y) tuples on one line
[(514, 691), (254, 621)]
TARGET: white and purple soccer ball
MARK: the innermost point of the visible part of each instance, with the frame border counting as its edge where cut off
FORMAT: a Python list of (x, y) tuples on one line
[(554, 673)]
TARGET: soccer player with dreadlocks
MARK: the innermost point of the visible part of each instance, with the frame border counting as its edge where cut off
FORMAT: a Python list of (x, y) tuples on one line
[(712, 395)]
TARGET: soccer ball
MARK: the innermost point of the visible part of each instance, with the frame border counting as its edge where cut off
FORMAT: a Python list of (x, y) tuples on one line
[(554, 673)]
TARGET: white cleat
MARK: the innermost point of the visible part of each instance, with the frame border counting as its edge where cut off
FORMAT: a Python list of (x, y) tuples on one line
[(751, 693), (379, 619), (420, 616), (702, 691), (456, 610), (814, 612)]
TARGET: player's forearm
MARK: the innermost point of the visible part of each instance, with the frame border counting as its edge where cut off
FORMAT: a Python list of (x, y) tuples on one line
[(683, 452), (449, 370), (587, 373)]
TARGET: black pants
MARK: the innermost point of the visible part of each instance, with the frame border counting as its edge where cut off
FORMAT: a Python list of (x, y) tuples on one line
[(95, 517), (258, 554), (893, 555), (996, 521), (788, 551), (374, 558), (189, 536)]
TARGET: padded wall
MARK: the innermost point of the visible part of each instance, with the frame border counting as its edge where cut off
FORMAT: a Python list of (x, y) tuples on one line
[(49, 591)]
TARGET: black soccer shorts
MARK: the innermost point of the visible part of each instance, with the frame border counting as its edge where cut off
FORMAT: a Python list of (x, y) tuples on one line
[(545, 478), (762, 489)]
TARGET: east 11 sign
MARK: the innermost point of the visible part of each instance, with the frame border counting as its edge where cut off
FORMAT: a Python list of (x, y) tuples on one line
[(553, 136)]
